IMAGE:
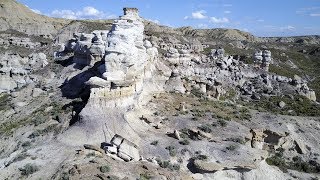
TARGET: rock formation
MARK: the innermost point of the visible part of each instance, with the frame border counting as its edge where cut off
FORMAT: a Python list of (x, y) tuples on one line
[(150, 101), (15, 70), (126, 80), (262, 59)]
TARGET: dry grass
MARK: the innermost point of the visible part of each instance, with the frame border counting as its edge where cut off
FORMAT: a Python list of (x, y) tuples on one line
[(169, 104)]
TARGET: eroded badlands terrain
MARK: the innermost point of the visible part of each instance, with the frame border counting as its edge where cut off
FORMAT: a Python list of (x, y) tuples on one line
[(130, 99)]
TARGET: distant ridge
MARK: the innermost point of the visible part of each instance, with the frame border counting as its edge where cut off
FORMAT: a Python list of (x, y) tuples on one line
[(16, 16)]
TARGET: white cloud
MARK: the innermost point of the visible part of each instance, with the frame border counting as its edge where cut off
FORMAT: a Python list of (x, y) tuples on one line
[(36, 11), (260, 20), (154, 21), (86, 13), (287, 28), (227, 12), (308, 10), (91, 11), (197, 15), (245, 29), (202, 26), (219, 20), (68, 14), (315, 14)]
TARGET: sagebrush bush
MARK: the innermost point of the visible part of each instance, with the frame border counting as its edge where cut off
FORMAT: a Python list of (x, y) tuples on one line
[(28, 169)]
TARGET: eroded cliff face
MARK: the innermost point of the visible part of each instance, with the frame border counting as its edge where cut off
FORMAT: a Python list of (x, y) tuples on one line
[(125, 81), (157, 100), (128, 70)]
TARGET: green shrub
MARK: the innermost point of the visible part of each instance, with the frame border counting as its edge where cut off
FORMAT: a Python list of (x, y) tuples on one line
[(197, 93), (277, 161), (201, 157), (19, 157), (26, 144), (174, 167), (232, 147), (222, 123), (184, 142), (154, 143), (28, 169), (38, 119), (8, 127), (296, 164), (172, 150), (163, 164), (167, 164), (65, 176), (92, 154), (237, 140), (300, 105), (112, 177), (4, 101), (195, 119), (231, 94), (104, 169), (145, 176), (49, 129), (183, 151), (205, 128)]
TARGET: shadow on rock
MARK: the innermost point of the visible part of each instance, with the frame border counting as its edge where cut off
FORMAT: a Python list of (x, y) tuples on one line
[(192, 167), (75, 87), (77, 106)]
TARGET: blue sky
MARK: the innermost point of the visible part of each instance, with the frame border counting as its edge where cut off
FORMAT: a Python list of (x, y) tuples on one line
[(261, 18)]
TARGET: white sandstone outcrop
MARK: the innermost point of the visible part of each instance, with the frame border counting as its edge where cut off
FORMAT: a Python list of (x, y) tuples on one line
[(129, 76), (262, 59), (15, 70), (125, 54)]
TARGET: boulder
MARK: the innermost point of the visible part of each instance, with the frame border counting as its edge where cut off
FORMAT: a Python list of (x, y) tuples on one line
[(96, 82), (220, 53), (297, 80), (128, 151), (177, 134), (175, 83), (125, 149), (38, 59), (257, 138), (116, 140), (300, 146), (111, 149), (206, 167), (282, 104), (37, 92), (93, 147), (197, 176)]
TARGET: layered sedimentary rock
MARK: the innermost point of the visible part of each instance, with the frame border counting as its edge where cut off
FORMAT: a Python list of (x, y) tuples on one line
[(126, 60), (213, 75), (15, 70), (262, 59), (86, 48), (125, 53), (130, 74)]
